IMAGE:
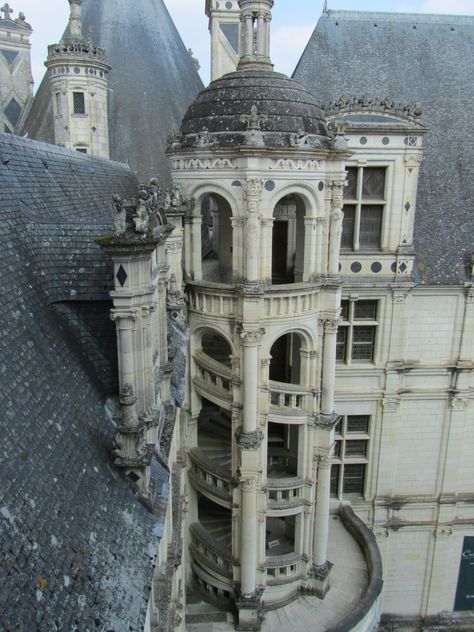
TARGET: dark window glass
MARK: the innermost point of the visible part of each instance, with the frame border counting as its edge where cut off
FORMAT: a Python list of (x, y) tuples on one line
[(354, 476), (335, 469), (363, 343), (350, 191), (373, 183), (347, 240), (341, 342), (365, 310), (338, 427), (337, 449), (357, 423), (79, 103), (356, 448), (370, 230), (81, 150)]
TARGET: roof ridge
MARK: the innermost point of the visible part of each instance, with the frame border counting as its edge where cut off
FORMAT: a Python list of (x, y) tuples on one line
[(396, 16)]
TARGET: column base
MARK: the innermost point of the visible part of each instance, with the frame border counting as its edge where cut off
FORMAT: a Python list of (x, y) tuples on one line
[(319, 579), (250, 611)]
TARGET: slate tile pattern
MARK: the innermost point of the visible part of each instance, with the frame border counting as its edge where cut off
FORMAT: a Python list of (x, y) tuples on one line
[(422, 58), (76, 546)]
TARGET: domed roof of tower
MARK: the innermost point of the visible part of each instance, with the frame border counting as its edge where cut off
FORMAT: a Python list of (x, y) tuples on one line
[(254, 105), (152, 81), (254, 100)]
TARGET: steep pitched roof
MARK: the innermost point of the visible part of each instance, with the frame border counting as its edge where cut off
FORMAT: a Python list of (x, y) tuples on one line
[(152, 82), (76, 544), (409, 57)]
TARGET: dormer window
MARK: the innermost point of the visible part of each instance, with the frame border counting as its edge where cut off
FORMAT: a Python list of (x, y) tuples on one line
[(79, 103), (364, 206)]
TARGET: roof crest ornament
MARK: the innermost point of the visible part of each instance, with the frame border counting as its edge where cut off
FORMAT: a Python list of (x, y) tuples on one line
[(365, 103), (75, 19), (7, 11), (325, 7), (253, 135)]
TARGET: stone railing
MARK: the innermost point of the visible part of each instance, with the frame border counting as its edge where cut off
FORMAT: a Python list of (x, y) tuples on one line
[(289, 400), (293, 299), (215, 299), (213, 379), (208, 553), (283, 493), (283, 569), (209, 478)]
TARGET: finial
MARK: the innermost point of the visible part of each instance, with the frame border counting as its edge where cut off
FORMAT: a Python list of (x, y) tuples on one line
[(75, 19), (255, 18), (6, 10), (325, 7)]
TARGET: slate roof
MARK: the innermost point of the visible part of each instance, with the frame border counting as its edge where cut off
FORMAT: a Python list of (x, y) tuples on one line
[(152, 82), (288, 107), (422, 58), (76, 546)]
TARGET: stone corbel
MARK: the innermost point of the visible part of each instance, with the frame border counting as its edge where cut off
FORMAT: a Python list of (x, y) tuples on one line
[(249, 440)]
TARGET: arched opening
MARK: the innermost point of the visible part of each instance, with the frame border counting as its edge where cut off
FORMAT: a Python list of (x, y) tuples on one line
[(215, 435), (282, 450), (285, 364), (216, 347), (288, 240), (216, 242)]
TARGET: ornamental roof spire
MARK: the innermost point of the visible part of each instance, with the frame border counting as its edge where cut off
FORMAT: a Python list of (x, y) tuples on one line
[(255, 18), (75, 19)]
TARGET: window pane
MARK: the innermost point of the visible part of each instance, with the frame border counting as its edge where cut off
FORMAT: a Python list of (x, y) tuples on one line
[(370, 226), (365, 310), (345, 310), (356, 448), (341, 344), (335, 469), (357, 423), (350, 191), (337, 449), (363, 343), (373, 183), (354, 476), (348, 227), (338, 427), (79, 103)]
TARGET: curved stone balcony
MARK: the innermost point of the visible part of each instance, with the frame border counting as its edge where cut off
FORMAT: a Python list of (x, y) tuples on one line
[(213, 380), (210, 479), (289, 403), (284, 494), (283, 569), (219, 300)]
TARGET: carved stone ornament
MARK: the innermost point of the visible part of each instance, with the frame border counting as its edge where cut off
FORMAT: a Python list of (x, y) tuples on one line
[(289, 164), (300, 139), (252, 338), (204, 163), (249, 484), (459, 403), (324, 461), (204, 140), (443, 533), (249, 440), (253, 120), (365, 103), (174, 140), (329, 325), (322, 571), (390, 405), (337, 130)]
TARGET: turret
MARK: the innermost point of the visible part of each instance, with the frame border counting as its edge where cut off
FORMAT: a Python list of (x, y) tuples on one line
[(224, 26), (78, 75)]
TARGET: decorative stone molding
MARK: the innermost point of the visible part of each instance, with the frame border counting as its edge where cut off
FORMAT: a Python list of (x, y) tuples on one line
[(390, 405), (399, 297), (204, 163), (249, 440), (322, 571), (326, 422), (253, 120), (124, 318), (442, 533), (411, 112), (324, 461), (252, 338), (459, 403), (253, 194), (381, 533), (290, 164), (249, 484), (337, 130)]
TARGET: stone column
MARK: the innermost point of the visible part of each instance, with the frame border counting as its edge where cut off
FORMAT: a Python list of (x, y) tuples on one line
[(266, 250), (125, 323), (188, 248), (149, 381), (248, 537), (196, 248), (268, 19), (329, 367), (335, 233), (261, 35), (253, 195), (310, 248), (321, 568), (250, 377)]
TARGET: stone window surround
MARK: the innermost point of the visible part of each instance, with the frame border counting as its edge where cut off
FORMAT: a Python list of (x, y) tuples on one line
[(342, 459), (350, 324)]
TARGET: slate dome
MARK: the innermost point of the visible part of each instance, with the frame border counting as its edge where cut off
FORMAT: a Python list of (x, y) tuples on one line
[(289, 108)]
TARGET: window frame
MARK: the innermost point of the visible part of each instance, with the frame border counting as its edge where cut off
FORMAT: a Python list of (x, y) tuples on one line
[(358, 202), (341, 460), (83, 94), (351, 323)]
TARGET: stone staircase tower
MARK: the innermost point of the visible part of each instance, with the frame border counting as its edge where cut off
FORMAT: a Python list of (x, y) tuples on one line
[(261, 265), (79, 89)]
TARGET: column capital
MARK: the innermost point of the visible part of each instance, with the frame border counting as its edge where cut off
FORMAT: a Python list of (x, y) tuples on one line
[(249, 484), (324, 461), (124, 317), (390, 404), (252, 338), (329, 325)]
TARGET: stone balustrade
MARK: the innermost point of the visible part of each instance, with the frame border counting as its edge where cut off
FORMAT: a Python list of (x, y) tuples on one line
[(291, 401), (209, 479), (213, 380), (215, 299), (283, 493), (293, 299), (209, 554), (283, 569)]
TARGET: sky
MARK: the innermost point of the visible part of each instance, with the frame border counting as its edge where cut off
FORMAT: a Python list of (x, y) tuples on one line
[(293, 23)]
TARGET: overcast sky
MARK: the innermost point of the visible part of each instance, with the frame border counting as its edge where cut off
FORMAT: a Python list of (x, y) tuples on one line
[(293, 22)]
